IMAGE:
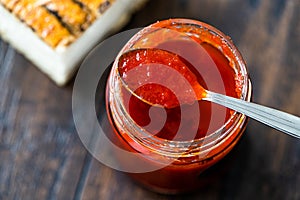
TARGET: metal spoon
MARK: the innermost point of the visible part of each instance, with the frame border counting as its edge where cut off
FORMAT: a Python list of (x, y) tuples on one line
[(282, 121)]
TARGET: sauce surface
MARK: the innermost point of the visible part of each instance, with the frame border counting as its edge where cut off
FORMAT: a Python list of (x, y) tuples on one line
[(149, 74)]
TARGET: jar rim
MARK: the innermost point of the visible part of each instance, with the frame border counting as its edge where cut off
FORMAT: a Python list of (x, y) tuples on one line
[(208, 141)]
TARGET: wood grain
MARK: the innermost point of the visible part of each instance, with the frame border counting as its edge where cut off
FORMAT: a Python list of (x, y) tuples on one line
[(39, 150), (43, 158)]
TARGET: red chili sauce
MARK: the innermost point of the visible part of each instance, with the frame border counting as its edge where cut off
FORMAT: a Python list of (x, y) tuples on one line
[(206, 65)]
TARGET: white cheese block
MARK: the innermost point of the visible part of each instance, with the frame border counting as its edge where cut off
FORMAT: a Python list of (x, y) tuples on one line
[(61, 63)]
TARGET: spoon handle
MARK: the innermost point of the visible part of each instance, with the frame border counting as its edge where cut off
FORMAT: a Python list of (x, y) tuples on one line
[(279, 120)]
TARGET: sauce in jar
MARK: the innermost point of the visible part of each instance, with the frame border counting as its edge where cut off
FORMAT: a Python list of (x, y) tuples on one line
[(191, 135), (158, 94)]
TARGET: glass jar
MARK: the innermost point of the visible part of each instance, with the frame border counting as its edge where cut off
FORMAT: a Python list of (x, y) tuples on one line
[(171, 159)]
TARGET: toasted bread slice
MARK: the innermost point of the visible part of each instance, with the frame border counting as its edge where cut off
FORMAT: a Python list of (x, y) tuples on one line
[(56, 35)]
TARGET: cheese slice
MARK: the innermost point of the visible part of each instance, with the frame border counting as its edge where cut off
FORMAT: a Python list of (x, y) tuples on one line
[(56, 35)]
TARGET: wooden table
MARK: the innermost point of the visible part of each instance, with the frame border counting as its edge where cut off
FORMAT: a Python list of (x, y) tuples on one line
[(42, 157)]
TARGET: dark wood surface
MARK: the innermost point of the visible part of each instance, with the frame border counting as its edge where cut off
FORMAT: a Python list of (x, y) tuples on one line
[(42, 157)]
